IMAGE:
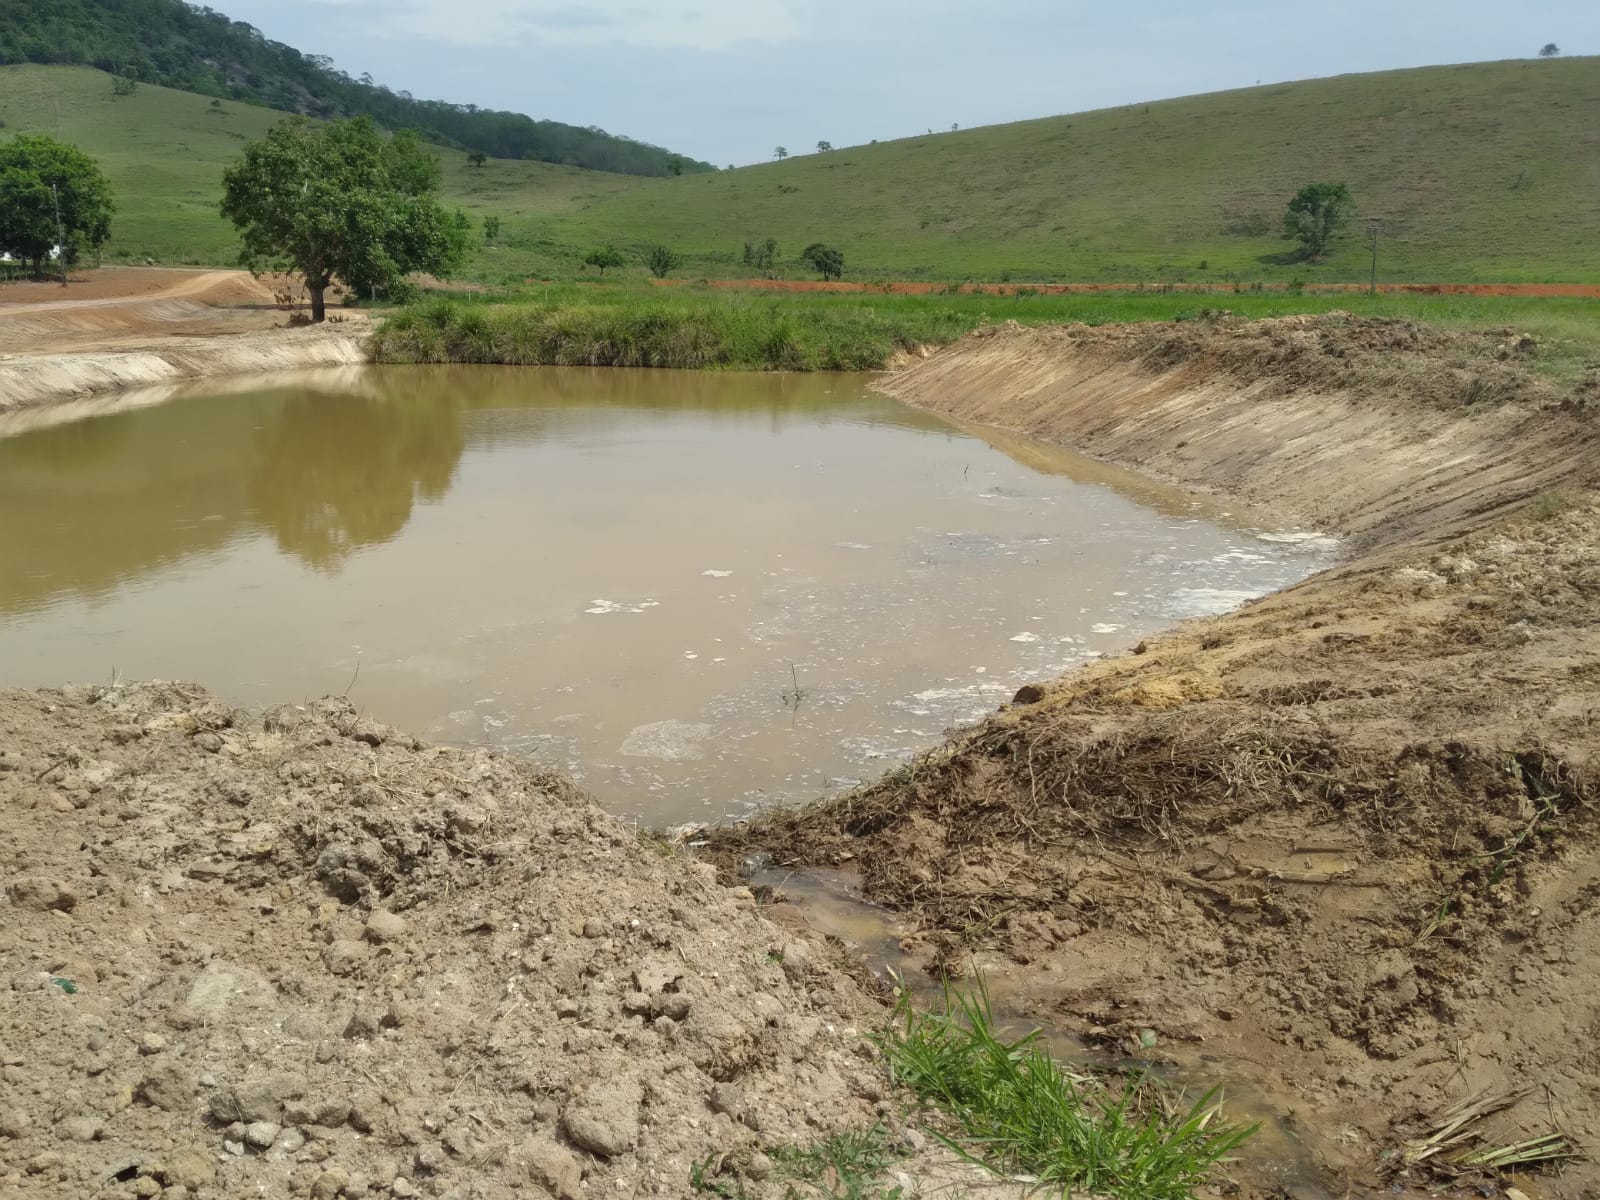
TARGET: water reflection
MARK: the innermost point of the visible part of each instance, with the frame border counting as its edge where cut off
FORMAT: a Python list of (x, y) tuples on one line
[(336, 473), (335, 460)]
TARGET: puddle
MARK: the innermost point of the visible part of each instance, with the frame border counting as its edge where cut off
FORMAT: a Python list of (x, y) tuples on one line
[(699, 593), (1279, 1159)]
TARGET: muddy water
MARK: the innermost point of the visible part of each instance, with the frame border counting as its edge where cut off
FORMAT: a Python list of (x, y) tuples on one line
[(698, 593)]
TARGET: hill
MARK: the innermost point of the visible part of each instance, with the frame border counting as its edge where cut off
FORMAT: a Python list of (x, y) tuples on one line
[(1480, 171), (197, 50), (165, 151)]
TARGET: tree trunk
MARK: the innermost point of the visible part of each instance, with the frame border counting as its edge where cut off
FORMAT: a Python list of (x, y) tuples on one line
[(319, 304)]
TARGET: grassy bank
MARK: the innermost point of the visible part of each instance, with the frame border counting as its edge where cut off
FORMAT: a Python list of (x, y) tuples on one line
[(637, 328), (699, 327)]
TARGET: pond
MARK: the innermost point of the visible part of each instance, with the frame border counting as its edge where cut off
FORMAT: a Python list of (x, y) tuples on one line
[(699, 593)]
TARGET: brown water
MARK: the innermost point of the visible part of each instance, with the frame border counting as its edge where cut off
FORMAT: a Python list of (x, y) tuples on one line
[(698, 592)]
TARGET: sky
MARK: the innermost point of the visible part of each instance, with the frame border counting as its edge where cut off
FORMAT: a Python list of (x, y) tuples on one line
[(728, 81)]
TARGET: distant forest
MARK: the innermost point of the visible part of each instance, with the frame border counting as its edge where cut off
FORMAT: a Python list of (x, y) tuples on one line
[(194, 49)]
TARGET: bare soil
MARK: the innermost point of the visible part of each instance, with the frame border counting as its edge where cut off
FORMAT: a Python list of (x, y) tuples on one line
[(1343, 843), (121, 328), (295, 953), (924, 288)]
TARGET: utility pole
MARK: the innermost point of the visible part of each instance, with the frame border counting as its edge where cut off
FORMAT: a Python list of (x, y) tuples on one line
[(61, 236)]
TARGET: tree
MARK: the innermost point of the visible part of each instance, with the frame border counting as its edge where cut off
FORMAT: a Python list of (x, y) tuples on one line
[(477, 158), (662, 261), (1549, 50), (780, 153), (763, 256), (828, 262), (491, 229), (40, 176), (824, 147), (607, 256), (675, 165), (1315, 216), (341, 201)]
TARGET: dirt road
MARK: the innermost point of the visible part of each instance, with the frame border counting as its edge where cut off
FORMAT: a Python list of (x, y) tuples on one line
[(130, 327), (131, 285), (922, 288)]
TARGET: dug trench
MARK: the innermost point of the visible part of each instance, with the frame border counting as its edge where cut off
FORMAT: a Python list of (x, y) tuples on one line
[(1340, 843)]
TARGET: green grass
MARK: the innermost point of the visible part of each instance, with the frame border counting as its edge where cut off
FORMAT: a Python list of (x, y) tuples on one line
[(632, 324), (843, 1166), (1482, 172), (165, 152), (1015, 1109)]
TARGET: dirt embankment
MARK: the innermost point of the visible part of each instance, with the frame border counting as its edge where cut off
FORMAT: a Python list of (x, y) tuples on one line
[(299, 954), (129, 328), (1345, 840)]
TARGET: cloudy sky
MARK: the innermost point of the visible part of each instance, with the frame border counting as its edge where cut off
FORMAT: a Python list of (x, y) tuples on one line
[(727, 80)]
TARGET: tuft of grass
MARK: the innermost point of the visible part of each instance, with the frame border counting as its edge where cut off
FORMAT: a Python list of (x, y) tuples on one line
[(1015, 1109), (846, 1165)]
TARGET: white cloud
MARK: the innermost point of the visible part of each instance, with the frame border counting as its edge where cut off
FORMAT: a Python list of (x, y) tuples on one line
[(713, 25)]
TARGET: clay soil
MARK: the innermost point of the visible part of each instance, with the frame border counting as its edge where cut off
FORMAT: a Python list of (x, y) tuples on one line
[(295, 953), (923, 288), (1342, 844), (125, 327)]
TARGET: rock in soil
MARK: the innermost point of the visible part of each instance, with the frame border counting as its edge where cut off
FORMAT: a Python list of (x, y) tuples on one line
[(331, 963)]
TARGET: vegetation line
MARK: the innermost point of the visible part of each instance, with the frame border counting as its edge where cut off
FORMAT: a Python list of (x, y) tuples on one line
[(694, 332), (698, 326)]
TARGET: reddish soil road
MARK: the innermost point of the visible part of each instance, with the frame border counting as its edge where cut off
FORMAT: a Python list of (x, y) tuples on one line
[(1578, 290)]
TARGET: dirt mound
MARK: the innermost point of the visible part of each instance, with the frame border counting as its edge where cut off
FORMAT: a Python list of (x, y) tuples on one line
[(1371, 429), (301, 954), (1342, 841)]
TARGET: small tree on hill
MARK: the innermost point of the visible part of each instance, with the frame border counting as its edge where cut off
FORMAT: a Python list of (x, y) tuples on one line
[(824, 147), (763, 256), (781, 153), (1315, 216), (491, 230), (341, 201), (39, 179), (477, 158), (662, 261), (828, 262), (607, 256), (1549, 50)]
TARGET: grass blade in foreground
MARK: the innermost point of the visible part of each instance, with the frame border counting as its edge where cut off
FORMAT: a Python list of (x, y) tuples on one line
[(1017, 1110)]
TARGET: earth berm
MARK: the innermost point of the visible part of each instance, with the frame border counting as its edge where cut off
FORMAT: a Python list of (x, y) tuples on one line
[(1341, 845), (300, 954)]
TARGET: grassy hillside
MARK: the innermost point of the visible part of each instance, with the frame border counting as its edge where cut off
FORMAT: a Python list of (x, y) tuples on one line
[(165, 151), (1487, 170), (1482, 172), (193, 49)]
